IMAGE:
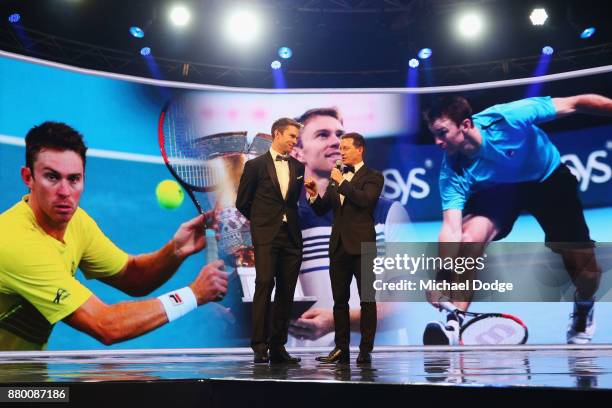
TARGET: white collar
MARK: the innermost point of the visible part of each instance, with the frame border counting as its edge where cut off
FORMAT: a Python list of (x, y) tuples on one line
[(358, 166), (274, 153)]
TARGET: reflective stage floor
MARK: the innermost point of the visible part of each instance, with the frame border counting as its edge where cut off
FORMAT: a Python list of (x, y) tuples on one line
[(519, 371)]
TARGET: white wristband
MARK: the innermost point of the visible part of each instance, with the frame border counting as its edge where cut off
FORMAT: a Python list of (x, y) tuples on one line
[(178, 303)]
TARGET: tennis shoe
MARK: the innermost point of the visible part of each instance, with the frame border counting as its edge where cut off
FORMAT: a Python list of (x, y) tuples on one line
[(440, 334), (582, 323)]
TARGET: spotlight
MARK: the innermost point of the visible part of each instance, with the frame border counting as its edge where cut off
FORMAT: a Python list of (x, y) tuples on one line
[(470, 25), (587, 33), (136, 32), (242, 26), (145, 51), (180, 15), (285, 52), (413, 63), (538, 16), (548, 50), (14, 18), (425, 53), (276, 64)]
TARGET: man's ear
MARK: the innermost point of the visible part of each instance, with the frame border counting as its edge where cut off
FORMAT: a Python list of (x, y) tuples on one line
[(27, 176), (467, 124)]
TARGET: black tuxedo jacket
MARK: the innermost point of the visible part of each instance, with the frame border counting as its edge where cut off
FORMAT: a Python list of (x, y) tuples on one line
[(353, 221), (260, 199)]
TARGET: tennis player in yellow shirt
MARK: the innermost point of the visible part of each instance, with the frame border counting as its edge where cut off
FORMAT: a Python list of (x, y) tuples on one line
[(45, 237)]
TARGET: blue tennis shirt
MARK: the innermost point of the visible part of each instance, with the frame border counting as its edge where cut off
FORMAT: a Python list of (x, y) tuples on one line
[(513, 150)]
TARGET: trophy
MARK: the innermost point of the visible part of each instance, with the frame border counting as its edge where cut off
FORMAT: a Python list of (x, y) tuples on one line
[(226, 154)]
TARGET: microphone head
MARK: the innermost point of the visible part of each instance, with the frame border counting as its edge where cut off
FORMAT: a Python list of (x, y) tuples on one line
[(338, 164)]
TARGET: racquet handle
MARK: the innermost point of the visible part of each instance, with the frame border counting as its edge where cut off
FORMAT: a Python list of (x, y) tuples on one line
[(448, 306)]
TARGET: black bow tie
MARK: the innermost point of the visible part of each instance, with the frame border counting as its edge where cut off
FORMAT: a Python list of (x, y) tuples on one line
[(349, 169), (280, 157)]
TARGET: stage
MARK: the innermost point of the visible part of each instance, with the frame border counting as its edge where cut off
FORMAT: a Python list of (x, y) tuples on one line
[(218, 377)]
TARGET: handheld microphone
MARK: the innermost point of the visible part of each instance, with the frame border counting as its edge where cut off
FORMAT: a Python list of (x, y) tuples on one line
[(339, 167)]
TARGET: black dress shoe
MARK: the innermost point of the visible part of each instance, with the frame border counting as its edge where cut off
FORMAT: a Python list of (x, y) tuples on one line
[(364, 357), (261, 357), (280, 356), (337, 355)]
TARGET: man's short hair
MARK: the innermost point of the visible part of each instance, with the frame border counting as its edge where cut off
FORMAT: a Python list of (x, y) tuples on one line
[(283, 123), (53, 135), (454, 107), (311, 113), (333, 112), (358, 140)]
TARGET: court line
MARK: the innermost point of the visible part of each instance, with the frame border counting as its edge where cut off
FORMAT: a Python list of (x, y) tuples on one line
[(99, 153), (219, 88)]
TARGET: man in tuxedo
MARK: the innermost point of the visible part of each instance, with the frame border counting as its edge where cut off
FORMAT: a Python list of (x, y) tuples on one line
[(267, 196), (318, 148), (352, 194)]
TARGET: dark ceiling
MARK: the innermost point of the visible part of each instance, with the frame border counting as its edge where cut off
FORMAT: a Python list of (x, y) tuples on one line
[(336, 43)]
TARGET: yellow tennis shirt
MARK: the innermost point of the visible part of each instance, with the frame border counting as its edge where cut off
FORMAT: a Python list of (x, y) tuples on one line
[(38, 287)]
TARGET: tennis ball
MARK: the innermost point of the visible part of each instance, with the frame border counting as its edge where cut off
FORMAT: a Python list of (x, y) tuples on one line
[(169, 194)]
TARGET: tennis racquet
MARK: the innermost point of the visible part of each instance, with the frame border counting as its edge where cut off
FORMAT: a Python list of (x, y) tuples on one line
[(179, 149), (489, 329), (194, 161)]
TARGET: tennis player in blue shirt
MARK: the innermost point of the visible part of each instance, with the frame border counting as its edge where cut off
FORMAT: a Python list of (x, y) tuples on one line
[(498, 163)]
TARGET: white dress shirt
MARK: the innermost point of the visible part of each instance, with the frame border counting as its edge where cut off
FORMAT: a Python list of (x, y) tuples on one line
[(282, 173)]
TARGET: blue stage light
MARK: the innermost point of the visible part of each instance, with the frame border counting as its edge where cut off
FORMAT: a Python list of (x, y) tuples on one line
[(285, 52), (14, 18), (275, 64), (587, 32), (548, 50), (413, 63), (425, 53), (137, 32), (145, 51)]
